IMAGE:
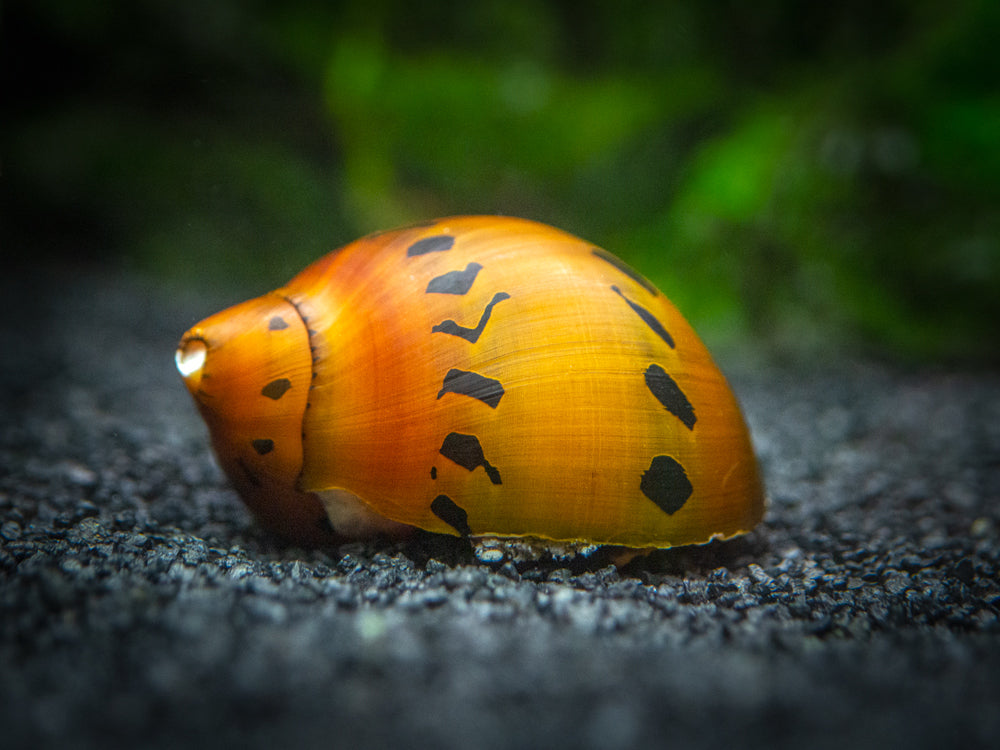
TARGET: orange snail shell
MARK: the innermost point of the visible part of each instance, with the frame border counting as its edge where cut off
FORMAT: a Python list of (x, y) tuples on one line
[(478, 376)]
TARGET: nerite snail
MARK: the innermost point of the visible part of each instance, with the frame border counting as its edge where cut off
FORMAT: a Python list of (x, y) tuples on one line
[(475, 376)]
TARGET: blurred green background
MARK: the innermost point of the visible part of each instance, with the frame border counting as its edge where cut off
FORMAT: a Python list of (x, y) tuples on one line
[(805, 175)]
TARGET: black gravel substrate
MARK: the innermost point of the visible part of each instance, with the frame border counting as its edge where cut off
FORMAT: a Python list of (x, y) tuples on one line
[(142, 607)]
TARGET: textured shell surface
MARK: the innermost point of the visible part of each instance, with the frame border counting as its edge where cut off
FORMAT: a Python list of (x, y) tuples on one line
[(478, 376)]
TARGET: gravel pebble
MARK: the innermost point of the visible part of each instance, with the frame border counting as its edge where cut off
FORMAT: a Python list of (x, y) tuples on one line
[(141, 605)]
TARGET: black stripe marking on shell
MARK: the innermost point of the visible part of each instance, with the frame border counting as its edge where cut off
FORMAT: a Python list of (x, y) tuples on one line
[(263, 446), (276, 388), (436, 244), (669, 394), (666, 483), (454, 282), (647, 318), (626, 269), (474, 385), (452, 514), (466, 451), (471, 334)]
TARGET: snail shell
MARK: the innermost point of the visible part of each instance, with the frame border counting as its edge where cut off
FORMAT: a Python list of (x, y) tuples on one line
[(474, 376)]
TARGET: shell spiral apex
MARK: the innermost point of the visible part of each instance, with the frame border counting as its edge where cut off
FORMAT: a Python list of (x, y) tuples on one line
[(476, 376)]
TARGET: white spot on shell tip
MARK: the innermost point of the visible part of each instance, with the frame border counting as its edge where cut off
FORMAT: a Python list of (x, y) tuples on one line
[(190, 357)]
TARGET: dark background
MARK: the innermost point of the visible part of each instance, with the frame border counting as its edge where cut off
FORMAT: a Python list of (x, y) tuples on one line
[(815, 185), (807, 173)]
